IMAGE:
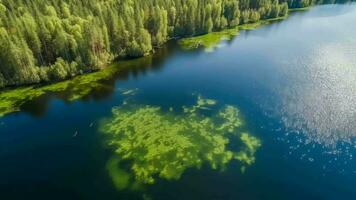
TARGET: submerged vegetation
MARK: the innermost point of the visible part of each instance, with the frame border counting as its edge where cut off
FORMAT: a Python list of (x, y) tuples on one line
[(11, 100), (152, 143), (212, 40), (209, 41), (80, 87)]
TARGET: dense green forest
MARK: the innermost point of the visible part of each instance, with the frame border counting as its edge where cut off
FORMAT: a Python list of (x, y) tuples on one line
[(51, 40)]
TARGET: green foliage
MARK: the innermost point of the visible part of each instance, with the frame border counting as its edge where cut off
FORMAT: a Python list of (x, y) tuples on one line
[(209, 41), (212, 40), (298, 9), (51, 40), (297, 4), (11, 100), (250, 26), (165, 144), (79, 87)]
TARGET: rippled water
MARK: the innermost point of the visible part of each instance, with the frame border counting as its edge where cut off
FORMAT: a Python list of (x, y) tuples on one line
[(293, 83), (321, 98)]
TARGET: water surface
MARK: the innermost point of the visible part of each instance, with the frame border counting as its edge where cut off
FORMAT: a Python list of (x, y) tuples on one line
[(293, 81)]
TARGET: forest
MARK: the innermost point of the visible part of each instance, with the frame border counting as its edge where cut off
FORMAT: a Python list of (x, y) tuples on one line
[(52, 40)]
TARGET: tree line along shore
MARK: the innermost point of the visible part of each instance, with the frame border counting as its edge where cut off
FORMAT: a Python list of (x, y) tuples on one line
[(53, 40)]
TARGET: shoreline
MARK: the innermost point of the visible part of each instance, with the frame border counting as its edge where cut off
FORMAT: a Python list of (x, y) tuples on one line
[(248, 26), (79, 86)]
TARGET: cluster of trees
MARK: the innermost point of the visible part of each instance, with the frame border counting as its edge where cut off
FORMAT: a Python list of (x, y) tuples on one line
[(45, 40), (307, 3)]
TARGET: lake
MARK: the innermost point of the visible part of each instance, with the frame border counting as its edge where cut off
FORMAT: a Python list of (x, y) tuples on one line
[(293, 83)]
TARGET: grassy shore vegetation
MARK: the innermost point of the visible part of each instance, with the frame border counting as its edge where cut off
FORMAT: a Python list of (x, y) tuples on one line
[(11, 100), (151, 143), (211, 41)]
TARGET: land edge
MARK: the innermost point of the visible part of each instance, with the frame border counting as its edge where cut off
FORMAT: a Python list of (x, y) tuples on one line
[(248, 26)]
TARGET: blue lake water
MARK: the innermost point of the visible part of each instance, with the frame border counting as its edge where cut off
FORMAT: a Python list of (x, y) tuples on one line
[(294, 82)]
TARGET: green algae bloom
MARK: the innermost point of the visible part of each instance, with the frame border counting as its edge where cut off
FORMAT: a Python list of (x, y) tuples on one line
[(83, 85), (12, 100), (202, 104), (251, 26), (208, 41), (164, 144), (119, 177), (80, 87), (247, 156), (211, 41)]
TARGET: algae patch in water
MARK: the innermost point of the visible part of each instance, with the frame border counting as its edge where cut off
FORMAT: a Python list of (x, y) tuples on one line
[(11, 100), (255, 25), (163, 144), (120, 177), (80, 87), (209, 41)]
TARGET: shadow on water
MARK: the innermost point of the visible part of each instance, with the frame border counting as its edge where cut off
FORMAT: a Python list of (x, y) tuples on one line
[(104, 88), (100, 85)]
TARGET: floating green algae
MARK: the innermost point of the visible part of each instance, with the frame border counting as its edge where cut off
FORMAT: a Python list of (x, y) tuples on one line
[(212, 40), (120, 178), (255, 25), (251, 26), (11, 100), (247, 156), (164, 144), (299, 9), (80, 87), (202, 104), (209, 41)]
